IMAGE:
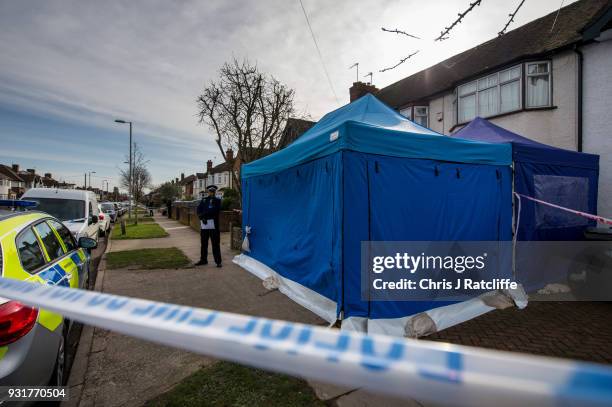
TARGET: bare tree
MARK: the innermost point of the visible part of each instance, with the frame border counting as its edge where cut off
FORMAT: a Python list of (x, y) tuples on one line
[(141, 177), (247, 110)]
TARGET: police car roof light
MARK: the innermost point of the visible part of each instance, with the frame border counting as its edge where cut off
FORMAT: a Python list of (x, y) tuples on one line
[(16, 203)]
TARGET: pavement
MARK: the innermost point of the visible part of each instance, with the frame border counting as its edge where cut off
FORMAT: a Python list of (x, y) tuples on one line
[(111, 369)]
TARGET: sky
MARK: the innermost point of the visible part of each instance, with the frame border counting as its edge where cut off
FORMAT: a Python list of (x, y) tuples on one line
[(68, 68)]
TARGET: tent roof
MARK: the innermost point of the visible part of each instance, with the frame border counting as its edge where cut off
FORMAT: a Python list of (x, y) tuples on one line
[(524, 149), (367, 125)]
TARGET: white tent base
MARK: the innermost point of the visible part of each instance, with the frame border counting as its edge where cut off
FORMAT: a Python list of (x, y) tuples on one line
[(413, 326)]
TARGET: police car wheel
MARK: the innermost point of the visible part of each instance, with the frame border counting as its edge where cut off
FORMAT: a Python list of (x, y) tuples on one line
[(60, 362)]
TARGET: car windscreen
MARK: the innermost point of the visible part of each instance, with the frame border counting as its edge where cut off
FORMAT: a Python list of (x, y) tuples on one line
[(63, 209), (108, 207)]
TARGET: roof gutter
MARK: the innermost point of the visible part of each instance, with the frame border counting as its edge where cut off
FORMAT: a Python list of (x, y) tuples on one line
[(580, 97)]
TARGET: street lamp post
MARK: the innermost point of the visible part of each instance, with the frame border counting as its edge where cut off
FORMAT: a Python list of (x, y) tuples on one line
[(90, 172), (103, 181), (130, 187)]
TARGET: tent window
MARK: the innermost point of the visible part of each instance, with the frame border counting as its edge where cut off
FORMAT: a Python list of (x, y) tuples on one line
[(538, 84), (570, 192)]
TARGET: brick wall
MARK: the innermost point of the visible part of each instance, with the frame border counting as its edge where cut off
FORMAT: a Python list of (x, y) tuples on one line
[(186, 213)]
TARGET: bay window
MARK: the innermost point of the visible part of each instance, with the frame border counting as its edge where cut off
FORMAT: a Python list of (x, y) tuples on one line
[(491, 95), (510, 89), (466, 102)]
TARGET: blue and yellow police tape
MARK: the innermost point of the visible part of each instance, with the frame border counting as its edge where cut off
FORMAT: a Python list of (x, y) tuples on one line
[(422, 370)]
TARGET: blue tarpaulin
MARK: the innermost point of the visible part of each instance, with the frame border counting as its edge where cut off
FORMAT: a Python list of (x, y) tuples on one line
[(563, 177), (551, 174), (369, 126), (364, 173)]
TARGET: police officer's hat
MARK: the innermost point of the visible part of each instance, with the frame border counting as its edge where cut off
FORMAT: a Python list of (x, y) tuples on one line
[(212, 188)]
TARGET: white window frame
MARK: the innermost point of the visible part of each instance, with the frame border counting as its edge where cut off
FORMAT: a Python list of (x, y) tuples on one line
[(410, 113), (497, 85), (426, 115), (520, 86), (407, 112), (527, 75)]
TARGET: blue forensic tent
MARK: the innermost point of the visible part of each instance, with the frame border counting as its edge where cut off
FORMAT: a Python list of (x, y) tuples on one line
[(551, 174), (366, 173), (563, 177)]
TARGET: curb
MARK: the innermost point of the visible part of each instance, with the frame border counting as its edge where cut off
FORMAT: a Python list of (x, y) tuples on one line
[(76, 381)]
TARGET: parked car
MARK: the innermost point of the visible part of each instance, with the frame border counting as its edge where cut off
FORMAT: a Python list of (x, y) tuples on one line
[(109, 210), (122, 209), (76, 208), (104, 221), (37, 247)]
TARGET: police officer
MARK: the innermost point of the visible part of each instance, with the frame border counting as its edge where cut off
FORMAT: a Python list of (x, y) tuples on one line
[(208, 212)]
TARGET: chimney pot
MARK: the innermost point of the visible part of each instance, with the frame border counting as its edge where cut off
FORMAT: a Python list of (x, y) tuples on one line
[(31, 170), (209, 166), (48, 175), (15, 167)]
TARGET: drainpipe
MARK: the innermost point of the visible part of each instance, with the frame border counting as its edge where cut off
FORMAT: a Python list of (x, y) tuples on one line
[(580, 86)]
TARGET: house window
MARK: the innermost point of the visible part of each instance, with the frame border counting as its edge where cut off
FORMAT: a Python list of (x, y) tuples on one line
[(421, 115), (510, 89), (467, 102), (491, 95), (407, 112), (538, 84), (418, 114)]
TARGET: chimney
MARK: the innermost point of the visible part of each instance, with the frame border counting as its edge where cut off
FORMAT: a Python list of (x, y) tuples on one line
[(360, 89), (208, 166), (15, 167), (48, 175), (176, 180), (229, 155), (31, 170), (182, 176)]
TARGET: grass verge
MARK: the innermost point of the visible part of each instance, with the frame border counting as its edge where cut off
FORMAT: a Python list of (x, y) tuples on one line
[(140, 219), (164, 258), (146, 230), (229, 384)]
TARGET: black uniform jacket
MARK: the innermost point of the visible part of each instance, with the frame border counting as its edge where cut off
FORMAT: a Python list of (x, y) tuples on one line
[(209, 208)]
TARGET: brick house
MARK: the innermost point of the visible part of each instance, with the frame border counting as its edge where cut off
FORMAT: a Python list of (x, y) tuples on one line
[(12, 186), (548, 83)]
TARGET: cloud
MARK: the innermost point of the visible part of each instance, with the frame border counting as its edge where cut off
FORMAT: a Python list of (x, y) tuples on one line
[(146, 61)]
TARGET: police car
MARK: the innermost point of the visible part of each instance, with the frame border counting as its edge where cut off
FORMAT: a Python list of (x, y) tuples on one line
[(36, 247)]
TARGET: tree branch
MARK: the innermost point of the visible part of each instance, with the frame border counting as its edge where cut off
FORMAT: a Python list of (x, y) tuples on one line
[(396, 31), (511, 15), (400, 62), (444, 34)]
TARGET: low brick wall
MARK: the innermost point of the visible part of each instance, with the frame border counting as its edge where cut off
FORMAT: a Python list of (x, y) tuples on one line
[(186, 213)]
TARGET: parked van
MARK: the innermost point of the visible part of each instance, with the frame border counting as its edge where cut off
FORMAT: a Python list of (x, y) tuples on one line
[(77, 209)]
